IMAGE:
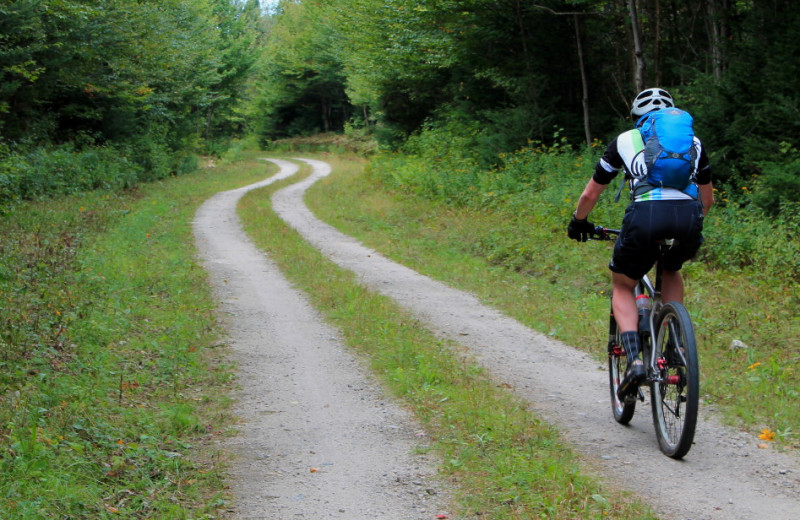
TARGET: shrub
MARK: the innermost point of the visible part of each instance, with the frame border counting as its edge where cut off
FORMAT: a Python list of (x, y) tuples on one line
[(779, 183), (543, 183), (48, 172)]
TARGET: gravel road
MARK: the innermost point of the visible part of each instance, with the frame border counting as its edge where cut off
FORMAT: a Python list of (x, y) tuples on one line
[(318, 440)]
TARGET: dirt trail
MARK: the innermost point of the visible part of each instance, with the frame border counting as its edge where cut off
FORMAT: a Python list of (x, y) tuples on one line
[(725, 476), (317, 438)]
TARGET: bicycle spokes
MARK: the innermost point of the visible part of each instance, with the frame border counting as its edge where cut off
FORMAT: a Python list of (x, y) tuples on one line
[(674, 393)]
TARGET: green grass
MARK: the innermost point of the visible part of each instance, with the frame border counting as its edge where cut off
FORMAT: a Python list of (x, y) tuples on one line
[(112, 380), (501, 460), (113, 377), (514, 255)]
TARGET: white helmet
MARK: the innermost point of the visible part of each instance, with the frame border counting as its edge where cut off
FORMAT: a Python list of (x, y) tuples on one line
[(651, 99)]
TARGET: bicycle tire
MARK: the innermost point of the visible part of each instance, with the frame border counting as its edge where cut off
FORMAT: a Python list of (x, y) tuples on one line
[(674, 395), (617, 364)]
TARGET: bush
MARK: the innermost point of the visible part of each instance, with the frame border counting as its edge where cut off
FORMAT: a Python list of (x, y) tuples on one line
[(48, 172), (739, 237), (153, 155), (543, 183), (778, 184)]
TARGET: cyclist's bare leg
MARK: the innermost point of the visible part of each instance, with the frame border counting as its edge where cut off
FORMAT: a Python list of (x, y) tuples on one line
[(623, 302), (624, 305), (671, 286)]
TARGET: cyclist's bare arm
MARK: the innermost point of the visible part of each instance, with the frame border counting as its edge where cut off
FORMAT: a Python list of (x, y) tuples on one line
[(706, 196), (589, 198)]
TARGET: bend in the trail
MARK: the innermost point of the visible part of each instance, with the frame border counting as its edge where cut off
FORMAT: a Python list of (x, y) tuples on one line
[(725, 476), (317, 439)]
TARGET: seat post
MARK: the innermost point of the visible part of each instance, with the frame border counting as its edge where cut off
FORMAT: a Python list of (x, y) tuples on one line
[(663, 245)]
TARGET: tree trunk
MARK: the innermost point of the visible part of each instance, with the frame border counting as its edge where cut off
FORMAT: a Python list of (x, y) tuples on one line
[(584, 84), (657, 45), (326, 116), (638, 53), (716, 35)]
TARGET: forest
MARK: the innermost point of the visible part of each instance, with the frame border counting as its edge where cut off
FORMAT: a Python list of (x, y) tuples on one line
[(494, 75), (479, 122), (107, 94)]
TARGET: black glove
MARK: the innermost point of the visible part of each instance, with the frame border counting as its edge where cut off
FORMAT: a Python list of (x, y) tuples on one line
[(580, 230)]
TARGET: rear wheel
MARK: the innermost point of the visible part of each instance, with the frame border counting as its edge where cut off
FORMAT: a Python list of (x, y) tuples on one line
[(617, 364), (675, 393)]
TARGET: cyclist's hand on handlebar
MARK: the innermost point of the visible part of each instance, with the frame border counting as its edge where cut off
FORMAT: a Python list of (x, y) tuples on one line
[(580, 230)]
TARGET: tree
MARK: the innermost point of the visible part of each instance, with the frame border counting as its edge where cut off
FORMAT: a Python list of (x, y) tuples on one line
[(638, 53), (122, 71), (241, 36), (303, 87)]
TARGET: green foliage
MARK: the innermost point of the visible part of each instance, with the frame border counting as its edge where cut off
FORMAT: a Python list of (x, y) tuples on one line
[(546, 181), (302, 89), (746, 237), (108, 378), (777, 189), (352, 142), (471, 60), (63, 170), (148, 80)]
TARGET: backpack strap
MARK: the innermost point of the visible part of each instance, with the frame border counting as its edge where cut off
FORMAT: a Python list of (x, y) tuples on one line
[(630, 146), (619, 191)]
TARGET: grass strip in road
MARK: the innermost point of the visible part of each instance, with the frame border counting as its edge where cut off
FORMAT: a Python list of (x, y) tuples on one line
[(502, 461)]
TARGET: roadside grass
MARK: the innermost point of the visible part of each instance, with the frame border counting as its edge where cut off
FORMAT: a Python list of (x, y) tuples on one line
[(520, 262), (501, 460), (113, 380)]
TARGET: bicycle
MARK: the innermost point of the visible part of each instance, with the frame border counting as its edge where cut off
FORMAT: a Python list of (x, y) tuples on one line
[(673, 373)]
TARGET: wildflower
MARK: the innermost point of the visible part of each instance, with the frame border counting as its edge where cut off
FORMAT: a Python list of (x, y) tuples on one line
[(767, 435)]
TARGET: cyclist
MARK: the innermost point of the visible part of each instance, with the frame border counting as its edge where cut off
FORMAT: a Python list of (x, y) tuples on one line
[(654, 213)]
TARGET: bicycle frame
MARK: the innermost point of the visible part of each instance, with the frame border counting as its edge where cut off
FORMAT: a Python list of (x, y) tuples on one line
[(666, 331), (645, 286), (653, 290)]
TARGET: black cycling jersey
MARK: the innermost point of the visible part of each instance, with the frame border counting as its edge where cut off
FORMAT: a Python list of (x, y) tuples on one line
[(608, 166)]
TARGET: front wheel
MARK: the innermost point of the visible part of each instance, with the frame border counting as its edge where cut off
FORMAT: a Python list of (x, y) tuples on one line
[(617, 364), (675, 392)]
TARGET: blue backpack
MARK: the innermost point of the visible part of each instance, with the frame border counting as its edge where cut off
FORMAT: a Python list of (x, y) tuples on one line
[(669, 151)]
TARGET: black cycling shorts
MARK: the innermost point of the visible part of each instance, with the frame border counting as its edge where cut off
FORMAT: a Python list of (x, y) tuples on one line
[(645, 223)]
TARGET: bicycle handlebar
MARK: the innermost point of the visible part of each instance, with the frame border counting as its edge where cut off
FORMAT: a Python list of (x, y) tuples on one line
[(603, 233)]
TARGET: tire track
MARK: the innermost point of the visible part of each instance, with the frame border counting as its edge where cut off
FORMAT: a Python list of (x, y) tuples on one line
[(317, 439), (725, 476)]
